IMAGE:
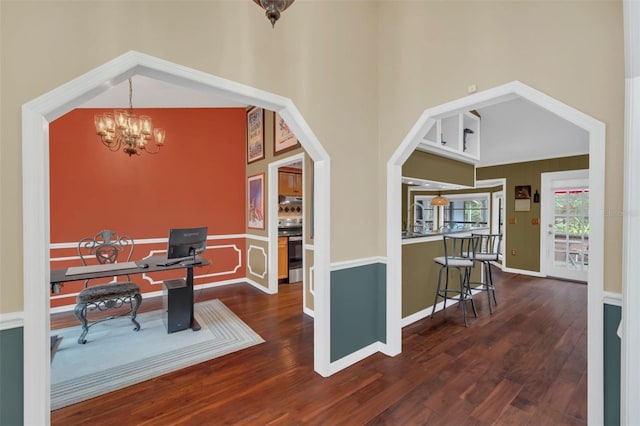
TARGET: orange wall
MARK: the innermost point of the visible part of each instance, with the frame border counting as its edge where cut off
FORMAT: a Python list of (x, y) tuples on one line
[(197, 179)]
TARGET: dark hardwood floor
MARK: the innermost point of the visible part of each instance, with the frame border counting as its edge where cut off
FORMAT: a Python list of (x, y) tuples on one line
[(523, 365)]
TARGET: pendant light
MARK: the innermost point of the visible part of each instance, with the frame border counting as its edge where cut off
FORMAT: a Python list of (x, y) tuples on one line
[(439, 201)]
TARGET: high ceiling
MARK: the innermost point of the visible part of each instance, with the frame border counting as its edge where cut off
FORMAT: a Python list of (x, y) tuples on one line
[(512, 131)]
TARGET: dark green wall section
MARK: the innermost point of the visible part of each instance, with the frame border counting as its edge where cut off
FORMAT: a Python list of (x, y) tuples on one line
[(358, 308), (11, 379), (612, 315)]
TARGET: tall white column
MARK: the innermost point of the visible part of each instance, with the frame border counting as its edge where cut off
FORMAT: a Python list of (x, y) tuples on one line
[(630, 377)]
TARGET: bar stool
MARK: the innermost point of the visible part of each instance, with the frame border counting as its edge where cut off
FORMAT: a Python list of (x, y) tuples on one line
[(459, 253), (488, 251)]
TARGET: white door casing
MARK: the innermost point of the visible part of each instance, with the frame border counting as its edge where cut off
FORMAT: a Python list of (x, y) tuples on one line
[(564, 251), (597, 138), (36, 116)]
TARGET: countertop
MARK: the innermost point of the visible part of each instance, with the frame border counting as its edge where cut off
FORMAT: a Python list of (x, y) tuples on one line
[(429, 235)]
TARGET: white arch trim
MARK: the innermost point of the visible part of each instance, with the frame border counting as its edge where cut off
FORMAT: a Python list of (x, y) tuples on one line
[(596, 131), (36, 116)]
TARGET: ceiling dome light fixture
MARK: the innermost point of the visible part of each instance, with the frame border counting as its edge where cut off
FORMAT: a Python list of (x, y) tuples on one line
[(124, 129), (439, 201), (274, 8)]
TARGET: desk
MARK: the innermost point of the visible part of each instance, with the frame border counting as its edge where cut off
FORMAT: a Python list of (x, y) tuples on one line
[(59, 276)]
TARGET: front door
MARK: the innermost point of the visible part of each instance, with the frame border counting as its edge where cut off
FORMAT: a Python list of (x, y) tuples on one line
[(565, 225)]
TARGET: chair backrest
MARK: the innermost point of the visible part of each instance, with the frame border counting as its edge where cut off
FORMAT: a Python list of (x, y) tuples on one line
[(105, 247), (489, 244), (456, 246)]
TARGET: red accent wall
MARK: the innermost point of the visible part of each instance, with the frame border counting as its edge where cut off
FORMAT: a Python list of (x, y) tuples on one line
[(197, 179)]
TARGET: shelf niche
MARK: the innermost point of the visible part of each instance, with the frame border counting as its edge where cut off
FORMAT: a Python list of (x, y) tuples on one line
[(457, 136)]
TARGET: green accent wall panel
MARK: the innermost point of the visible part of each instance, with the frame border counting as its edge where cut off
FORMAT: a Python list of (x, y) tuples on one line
[(358, 308), (612, 368), (11, 378)]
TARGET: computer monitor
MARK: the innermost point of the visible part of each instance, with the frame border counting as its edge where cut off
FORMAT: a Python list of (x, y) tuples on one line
[(186, 242)]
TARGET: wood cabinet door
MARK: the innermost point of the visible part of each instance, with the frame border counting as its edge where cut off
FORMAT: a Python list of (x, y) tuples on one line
[(283, 257), (290, 184)]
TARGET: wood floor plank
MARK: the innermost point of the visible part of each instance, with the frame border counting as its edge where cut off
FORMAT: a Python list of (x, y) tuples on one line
[(525, 364)]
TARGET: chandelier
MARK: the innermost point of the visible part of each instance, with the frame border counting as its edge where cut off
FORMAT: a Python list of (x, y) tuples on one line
[(274, 8), (123, 129)]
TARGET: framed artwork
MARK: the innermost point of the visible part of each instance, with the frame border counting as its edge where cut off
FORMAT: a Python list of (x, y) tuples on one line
[(283, 139), (255, 202), (255, 134), (523, 198)]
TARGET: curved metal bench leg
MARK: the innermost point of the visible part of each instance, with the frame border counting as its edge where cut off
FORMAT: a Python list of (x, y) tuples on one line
[(135, 304), (81, 313)]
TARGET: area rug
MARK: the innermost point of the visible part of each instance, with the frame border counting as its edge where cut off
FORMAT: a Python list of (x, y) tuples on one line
[(115, 356)]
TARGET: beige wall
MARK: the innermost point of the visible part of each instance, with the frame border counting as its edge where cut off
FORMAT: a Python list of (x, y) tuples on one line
[(573, 51), (320, 55), (361, 73)]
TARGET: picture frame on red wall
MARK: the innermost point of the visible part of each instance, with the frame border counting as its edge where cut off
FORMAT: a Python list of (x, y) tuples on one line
[(255, 201), (255, 134), (283, 138)]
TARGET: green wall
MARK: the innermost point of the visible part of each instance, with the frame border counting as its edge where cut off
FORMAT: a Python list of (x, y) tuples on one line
[(523, 236), (358, 308), (612, 350), (11, 378)]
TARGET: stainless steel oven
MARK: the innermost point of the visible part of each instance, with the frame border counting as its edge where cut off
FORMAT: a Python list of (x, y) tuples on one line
[(292, 229), (295, 258)]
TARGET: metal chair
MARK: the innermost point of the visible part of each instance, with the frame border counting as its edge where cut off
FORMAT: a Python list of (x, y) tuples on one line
[(459, 254), (488, 251), (106, 247)]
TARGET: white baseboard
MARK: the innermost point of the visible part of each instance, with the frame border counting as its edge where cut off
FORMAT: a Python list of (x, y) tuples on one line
[(354, 357), (427, 311), (524, 272), (258, 286)]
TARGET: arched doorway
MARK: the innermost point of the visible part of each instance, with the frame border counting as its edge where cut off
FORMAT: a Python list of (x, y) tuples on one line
[(36, 116), (596, 136)]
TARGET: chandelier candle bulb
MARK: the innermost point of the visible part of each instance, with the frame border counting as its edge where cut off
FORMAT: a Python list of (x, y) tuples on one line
[(127, 131)]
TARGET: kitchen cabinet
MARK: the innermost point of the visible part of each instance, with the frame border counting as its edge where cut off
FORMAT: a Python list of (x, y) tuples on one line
[(283, 256), (290, 182)]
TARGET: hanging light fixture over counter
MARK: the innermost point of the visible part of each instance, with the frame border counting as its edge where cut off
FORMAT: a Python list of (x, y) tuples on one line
[(439, 201), (123, 129), (274, 8)]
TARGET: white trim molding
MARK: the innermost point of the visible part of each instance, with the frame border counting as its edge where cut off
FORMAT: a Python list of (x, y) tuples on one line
[(36, 116), (630, 325), (357, 356), (264, 255), (611, 298), (597, 138), (348, 264), (11, 320)]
